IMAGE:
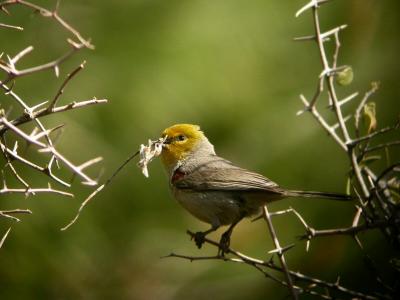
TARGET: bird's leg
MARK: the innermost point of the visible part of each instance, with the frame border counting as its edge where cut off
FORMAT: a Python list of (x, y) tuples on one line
[(225, 240), (199, 237)]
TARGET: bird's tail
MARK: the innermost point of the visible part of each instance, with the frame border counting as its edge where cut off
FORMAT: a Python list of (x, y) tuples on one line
[(324, 195)]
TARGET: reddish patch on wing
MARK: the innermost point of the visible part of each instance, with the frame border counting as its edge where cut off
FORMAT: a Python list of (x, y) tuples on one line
[(178, 174)]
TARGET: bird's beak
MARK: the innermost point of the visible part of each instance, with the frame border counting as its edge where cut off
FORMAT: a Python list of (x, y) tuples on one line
[(167, 141)]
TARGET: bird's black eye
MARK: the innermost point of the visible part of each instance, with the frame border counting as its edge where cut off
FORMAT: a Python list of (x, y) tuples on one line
[(181, 137)]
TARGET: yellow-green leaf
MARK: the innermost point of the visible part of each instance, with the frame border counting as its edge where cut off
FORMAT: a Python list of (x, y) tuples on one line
[(370, 116), (345, 77)]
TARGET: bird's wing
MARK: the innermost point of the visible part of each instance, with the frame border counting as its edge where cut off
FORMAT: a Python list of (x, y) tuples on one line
[(227, 177)]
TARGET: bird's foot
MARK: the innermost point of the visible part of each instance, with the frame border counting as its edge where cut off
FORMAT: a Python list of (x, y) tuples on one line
[(199, 238), (224, 243)]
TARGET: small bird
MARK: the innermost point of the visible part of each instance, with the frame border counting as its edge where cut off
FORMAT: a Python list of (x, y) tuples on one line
[(212, 188)]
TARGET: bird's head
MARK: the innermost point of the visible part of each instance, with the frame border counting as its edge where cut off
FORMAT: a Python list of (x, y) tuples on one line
[(182, 141)]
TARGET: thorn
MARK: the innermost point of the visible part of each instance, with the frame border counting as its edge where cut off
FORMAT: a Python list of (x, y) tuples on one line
[(336, 126), (89, 183), (312, 3), (38, 105), (74, 44), (8, 13), (281, 250), (347, 99), (325, 72), (57, 71), (304, 38), (302, 111), (4, 237), (34, 131), (333, 31)]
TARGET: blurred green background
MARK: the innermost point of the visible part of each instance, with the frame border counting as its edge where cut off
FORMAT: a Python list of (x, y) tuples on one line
[(229, 66)]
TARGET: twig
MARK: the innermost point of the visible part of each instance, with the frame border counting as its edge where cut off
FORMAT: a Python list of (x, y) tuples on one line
[(346, 231), (61, 89), (7, 213), (14, 73), (242, 258), (371, 135), (17, 211), (377, 207), (95, 192), (45, 112), (324, 124), (10, 164), (40, 136), (50, 14), (380, 146), (33, 191), (279, 252), (49, 148), (395, 167)]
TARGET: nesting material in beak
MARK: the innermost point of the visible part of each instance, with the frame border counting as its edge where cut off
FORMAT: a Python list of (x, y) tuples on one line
[(147, 153)]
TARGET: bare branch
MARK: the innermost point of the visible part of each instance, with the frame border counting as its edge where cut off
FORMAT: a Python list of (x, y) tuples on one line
[(8, 213), (61, 89), (371, 135), (34, 191), (346, 231), (100, 188), (279, 252), (380, 146), (45, 112), (49, 148), (239, 257), (40, 135), (322, 121), (14, 73), (50, 14), (377, 206)]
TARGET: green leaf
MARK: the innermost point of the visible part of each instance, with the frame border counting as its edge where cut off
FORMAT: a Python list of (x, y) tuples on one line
[(345, 77), (370, 116)]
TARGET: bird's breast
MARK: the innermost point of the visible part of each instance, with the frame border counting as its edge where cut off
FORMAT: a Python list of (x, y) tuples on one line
[(216, 208)]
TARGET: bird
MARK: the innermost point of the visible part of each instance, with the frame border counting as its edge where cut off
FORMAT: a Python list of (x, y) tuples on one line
[(213, 189)]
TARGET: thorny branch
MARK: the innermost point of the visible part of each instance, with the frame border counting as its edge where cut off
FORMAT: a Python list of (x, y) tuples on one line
[(304, 284), (11, 132), (47, 14), (377, 207), (279, 251)]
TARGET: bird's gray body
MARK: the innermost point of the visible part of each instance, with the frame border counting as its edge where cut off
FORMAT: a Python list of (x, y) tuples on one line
[(218, 192)]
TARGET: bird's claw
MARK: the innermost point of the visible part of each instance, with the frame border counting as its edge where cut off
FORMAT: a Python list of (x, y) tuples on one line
[(224, 244), (199, 239)]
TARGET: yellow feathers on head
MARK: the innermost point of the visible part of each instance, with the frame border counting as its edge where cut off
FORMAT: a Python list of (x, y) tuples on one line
[(181, 140)]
